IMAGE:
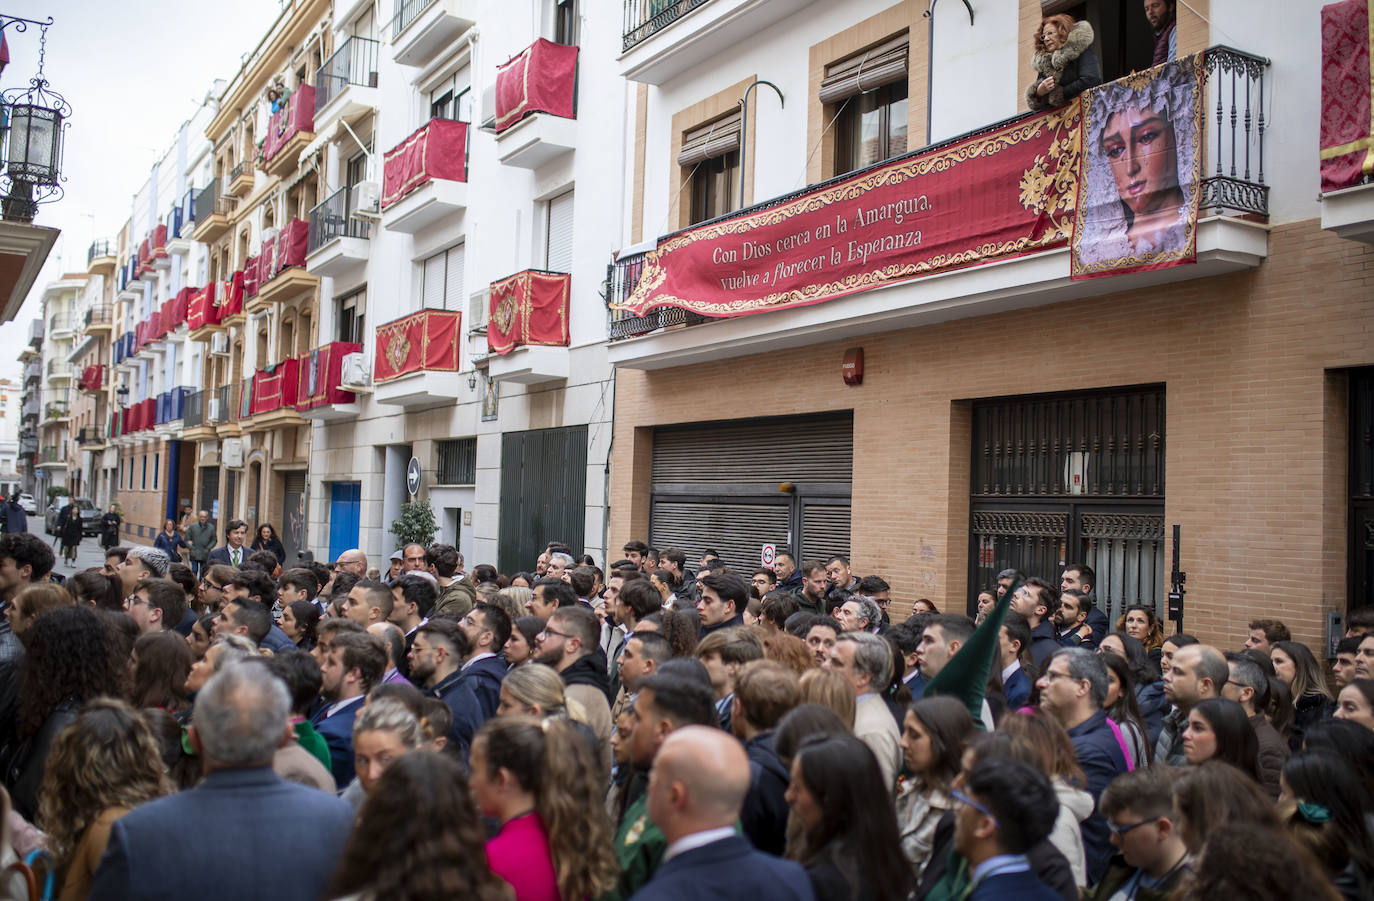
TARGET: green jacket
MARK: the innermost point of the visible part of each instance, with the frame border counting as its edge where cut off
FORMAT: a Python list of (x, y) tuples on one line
[(313, 742), (201, 538), (639, 848), (456, 598)]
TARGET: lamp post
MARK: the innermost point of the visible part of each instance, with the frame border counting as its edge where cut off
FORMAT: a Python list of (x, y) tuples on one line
[(34, 121)]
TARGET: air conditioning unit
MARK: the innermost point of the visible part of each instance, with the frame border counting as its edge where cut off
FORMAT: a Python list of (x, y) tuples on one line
[(219, 344), (354, 375), (366, 200), (212, 410)]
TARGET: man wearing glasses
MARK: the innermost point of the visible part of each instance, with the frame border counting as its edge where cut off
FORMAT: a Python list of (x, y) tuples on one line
[(1151, 858), (212, 583), (1002, 809), (436, 660), (1073, 689)]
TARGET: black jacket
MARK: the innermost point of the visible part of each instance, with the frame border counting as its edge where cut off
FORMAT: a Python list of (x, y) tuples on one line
[(764, 814), (272, 544), (25, 759), (589, 670)]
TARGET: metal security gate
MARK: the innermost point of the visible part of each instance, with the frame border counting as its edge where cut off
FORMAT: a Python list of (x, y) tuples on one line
[(293, 515), (543, 494), (1361, 542), (1072, 478), (736, 486), (209, 490)]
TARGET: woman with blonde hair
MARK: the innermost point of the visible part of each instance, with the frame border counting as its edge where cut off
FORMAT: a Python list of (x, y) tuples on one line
[(384, 731), (101, 766), (537, 690), (1064, 61), (513, 600), (540, 780), (829, 689)]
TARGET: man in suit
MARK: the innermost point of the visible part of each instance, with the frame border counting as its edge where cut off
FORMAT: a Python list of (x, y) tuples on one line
[(1005, 808), (487, 628), (220, 840), (696, 788), (436, 661), (865, 660), (233, 553), (356, 662)]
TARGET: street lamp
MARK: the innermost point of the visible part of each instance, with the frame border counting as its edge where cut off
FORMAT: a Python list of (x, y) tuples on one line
[(34, 121)]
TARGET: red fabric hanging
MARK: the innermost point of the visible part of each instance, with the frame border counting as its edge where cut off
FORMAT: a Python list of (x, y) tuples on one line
[(528, 308), (542, 79), (1347, 127), (437, 149), (427, 340)]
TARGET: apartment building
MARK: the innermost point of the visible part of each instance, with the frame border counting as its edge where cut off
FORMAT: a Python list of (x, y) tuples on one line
[(92, 465), (30, 407), (56, 389), (949, 417)]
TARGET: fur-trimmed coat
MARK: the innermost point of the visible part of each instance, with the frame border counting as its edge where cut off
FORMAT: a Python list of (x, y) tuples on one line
[(1074, 66)]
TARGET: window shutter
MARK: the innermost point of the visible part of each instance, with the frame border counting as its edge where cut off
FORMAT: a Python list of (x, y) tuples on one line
[(432, 297), (716, 139), (559, 255), (453, 285), (866, 71)]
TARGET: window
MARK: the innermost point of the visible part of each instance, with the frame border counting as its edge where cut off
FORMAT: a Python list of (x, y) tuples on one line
[(442, 279), (558, 251), (352, 310), (565, 21), (867, 95), (157, 460), (1125, 42), (452, 99), (144, 484), (457, 461), (710, 156)]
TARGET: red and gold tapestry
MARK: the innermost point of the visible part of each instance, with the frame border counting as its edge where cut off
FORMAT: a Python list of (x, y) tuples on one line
[(427, 340), (1001, 194), (1347, 111), (231, 296), (298, 115), (275, 388), (529, 307), (320, 372), (541, 79), (202, 310), (438, 149)]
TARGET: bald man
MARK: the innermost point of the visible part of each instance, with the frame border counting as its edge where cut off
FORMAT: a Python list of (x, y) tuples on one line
[(698, 783)]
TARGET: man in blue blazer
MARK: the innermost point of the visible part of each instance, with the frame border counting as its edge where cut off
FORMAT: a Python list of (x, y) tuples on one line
[(696, 788), (1005, 808), (233, 553), (221, 841), (356, 662)]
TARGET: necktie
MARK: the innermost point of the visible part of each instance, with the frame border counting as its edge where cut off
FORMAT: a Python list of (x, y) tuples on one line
[(236, 556)]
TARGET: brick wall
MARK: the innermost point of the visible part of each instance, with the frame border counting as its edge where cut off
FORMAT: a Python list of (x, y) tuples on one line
[(1255, 430)]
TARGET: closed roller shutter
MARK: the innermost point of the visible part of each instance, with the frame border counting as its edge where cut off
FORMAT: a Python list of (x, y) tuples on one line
[(293, 515), (559, 253), (716, 485)]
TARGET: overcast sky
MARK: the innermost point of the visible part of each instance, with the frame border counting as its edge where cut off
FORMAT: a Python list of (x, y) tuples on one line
[(132, 72)]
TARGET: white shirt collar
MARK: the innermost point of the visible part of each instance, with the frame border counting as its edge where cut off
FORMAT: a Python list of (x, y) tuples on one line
[(340, 705), (477, 657), (1008, 670), (696, 840)]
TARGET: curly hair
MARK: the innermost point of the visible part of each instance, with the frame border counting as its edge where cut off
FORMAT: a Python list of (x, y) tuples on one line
[(415, 836), (1248, 860), (552, 761), (106, 758), (70, 654), (1155, 638)]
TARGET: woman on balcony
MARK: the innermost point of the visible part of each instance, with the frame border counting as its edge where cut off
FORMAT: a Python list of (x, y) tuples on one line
[(1064, 62)]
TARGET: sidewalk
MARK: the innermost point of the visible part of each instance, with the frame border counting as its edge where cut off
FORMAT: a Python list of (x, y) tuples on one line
[(89, 553)]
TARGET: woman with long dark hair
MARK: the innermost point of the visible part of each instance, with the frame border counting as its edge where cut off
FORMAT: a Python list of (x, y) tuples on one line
[(266, 540), (415, 838), (1297, 668), (300, 621), (68, 660), (1141, 623), (934, 733), (103, 765), (1218, 729), (162, 661), (851, 848), (96, 588), (1149, 687), (541, 780), (1124, 710), (1329, 804)]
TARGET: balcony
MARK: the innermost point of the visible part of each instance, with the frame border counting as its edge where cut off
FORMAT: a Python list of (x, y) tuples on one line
[(667, 312), (193, 421), (101, 258), (212, 211), (281, 273), (183, 216), (417, 358), (91, 438), (49, 458), (60, 326), (59, 371), (346, 85), (272, 396), (664, 38), (536, 105), (1347, 186), (425, 177), (99, 319), (320, 393), (232, 295), (203, 314), (160, 259), (92, 379), (338, 241), (55, 414), (527, 327), (226, 411), (289, 131), (241, 179), (421, 29)]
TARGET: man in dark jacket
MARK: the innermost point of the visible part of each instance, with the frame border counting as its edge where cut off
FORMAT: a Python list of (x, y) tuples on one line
[(356, 662), (1082, 577), (486, 628), (1073, 688), (1152, 859), (570, 644), (1035, 600), (1248, 687), (219, 840), (200, 535), (764, 692), (789, 575), (722, 601), (1163, 19), (436, 659)]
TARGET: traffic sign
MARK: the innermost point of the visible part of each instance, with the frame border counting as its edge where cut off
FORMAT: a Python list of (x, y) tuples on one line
[(413, 476), (770, 553)]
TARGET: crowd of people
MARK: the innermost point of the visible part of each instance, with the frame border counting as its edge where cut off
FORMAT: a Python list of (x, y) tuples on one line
[(658, 729)]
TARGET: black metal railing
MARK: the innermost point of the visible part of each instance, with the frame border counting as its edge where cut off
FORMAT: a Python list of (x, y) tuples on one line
[(188, 209), (1235, 179), (206, 201), (407, 11), (193, 412), (331, 220), (621, 277), (645, 18), (224, 395), (457, 461), (99, 249), (99, 314), (237, 172), (353, 63)]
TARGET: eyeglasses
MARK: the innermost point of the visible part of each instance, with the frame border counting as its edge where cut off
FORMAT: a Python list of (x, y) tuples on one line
[(1050, 676), (206, 583), (548, 631), (969, 802), (1119, 831)]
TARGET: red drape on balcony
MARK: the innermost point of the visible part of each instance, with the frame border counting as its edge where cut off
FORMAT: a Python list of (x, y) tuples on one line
[(232, 300), (155, 330), (92, 377), (1347, 136), (426, 340), (275, 389), (202, 310), (160, 242), (437, 149), (286, 250), (175, 310), (298, 115), (542, 79), (252, 276), (528, 308), (319, 373)]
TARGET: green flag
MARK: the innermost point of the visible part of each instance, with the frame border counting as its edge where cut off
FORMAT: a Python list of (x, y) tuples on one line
[(965, 676)]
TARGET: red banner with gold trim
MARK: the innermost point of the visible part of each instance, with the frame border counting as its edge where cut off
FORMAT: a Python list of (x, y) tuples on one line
[(251, 278), (202, 310), (1001, 194), (320, 374), (1347, 112), (437, 149), (298, 115), (529, 307), (427, 340), (231, 296), (277, 388), (541, 79)]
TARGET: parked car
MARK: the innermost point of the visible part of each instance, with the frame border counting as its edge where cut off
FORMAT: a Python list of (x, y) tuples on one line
[(28, 504), (90, 515)]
